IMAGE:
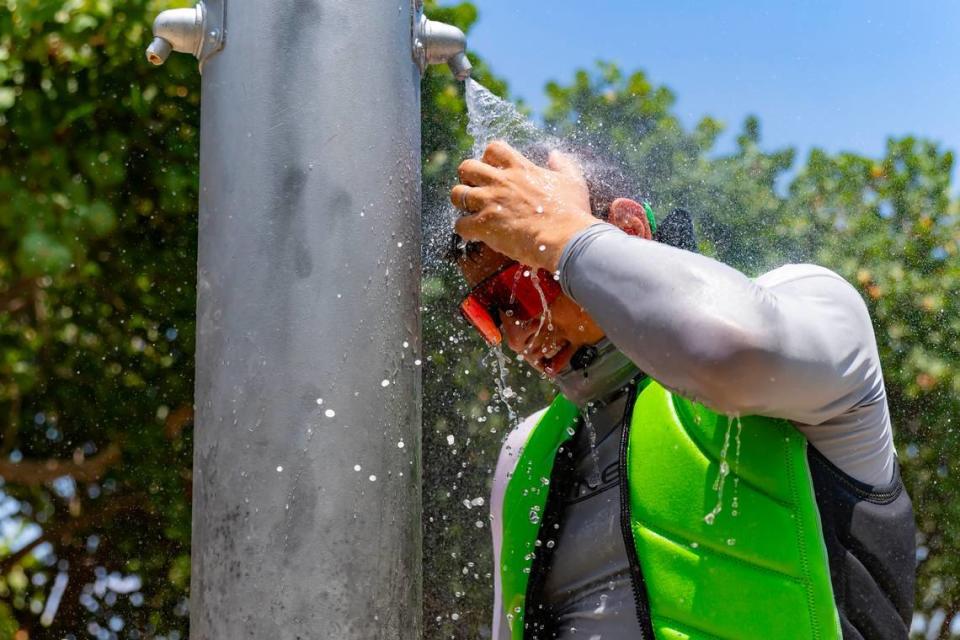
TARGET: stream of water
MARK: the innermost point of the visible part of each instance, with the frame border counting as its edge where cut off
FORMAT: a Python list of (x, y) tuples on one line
[(722, 474), (594, 479), (491, 118), (733, 422), (503, 388)]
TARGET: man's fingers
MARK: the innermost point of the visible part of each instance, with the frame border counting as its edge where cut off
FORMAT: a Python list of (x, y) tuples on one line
[(502, 156), (477, 174), (469, 227), (466, 198), (565, 164)]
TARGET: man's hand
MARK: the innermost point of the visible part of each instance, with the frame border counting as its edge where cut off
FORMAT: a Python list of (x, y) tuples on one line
[(519, 209)]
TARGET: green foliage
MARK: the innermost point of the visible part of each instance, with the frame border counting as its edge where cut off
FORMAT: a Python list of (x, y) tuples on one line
[(98, 193), (8, 625), (888, 226)]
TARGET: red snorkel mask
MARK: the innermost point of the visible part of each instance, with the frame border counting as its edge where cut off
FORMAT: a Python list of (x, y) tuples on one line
[(517, 290)]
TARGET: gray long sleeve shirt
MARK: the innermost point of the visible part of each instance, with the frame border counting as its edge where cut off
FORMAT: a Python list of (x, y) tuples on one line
[(796, 343)]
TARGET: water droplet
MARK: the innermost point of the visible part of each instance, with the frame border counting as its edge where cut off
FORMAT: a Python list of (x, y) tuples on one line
[(478, 524), (731, 542), (417, 362), (695, 545), (357, 467), (400, 445), (330, 413), (279, 469), (373, 478), (542, 247), (450, 440), (384, 383), (319, 401), (539, 208)]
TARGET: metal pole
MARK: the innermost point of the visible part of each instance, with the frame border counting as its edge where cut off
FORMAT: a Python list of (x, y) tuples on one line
[(307, 504)]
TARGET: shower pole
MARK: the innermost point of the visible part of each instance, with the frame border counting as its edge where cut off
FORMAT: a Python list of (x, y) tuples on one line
[(306, 504)]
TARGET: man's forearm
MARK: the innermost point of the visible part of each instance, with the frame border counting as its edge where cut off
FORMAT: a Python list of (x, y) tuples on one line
[(707, 331)]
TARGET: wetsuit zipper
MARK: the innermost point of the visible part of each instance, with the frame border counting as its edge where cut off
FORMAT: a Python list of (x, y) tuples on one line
[(636, 573), (539, 622)]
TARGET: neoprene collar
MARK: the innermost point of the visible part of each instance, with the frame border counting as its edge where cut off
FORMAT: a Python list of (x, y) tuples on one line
[(600, 375)]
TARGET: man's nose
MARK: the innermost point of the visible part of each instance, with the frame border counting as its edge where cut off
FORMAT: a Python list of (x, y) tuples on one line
[(517, 333)]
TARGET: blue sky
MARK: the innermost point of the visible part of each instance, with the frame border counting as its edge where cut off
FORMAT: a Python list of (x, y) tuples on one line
[(836, 74)]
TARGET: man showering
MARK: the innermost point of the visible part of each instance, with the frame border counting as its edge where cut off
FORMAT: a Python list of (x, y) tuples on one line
[(744, 483)]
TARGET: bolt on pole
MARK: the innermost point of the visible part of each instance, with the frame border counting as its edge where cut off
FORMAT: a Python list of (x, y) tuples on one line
[(306, 512)]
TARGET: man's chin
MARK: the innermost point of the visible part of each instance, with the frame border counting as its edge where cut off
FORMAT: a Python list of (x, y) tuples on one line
[(558, 364)]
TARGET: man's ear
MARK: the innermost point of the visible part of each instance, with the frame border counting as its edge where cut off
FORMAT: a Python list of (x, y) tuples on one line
[(631, 217)]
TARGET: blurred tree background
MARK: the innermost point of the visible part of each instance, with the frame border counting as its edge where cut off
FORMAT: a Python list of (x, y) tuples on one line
[(98, 193)]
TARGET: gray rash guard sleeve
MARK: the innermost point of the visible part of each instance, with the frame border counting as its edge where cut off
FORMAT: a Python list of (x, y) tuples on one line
[(797, 343)]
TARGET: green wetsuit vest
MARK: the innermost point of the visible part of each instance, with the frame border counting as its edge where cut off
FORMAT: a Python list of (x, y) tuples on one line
[(733, 556)]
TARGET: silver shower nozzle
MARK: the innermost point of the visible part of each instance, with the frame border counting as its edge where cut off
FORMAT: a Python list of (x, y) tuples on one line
[(438, 43)]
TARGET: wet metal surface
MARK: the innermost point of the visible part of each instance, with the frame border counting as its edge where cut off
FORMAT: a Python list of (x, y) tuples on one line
[(308, 300)]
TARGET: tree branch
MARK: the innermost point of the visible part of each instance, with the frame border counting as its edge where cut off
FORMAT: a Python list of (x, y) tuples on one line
[(65, 533), (35, 473), (14, 559)]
